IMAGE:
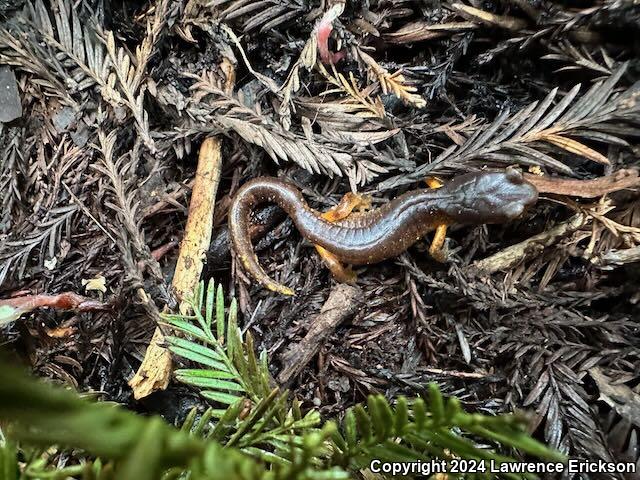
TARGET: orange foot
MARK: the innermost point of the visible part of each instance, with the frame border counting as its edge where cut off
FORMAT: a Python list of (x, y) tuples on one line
[(348, 203)]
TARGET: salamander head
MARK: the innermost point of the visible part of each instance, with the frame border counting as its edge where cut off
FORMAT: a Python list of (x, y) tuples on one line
[(490, 197)]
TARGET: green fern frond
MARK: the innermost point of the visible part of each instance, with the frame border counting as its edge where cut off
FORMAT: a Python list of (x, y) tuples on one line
[(422, 431), (262, 433), (9, 469), (275, 430), (230, 373), (259, 419)]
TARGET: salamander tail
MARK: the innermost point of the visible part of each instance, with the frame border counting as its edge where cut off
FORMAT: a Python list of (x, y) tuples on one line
[(239, 214)]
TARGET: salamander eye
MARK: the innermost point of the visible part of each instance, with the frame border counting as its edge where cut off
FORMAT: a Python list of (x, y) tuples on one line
[(514, 174)]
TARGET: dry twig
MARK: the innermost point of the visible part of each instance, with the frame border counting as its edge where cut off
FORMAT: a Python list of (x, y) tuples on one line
[(155, 371), (343, 301), (620, 180)]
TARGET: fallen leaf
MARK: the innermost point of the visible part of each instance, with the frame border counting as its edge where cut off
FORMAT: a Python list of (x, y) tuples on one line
[(51, 263), (573, 146), (9, 314), (61, 332), (619, 397), (98, 284)]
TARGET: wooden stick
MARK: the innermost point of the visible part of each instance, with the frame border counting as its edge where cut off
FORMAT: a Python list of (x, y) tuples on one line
[(343, 302), (614, 258), (197, 235), (155, 371), (620, 180), (510, 256)]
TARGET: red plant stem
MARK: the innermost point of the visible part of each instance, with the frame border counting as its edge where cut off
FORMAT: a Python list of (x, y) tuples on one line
[(62, 301)]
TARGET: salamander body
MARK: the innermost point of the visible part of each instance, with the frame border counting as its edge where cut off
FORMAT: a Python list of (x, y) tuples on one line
[(384, 232)]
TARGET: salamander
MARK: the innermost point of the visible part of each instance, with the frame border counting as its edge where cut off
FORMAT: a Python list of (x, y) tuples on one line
[(372, 236)]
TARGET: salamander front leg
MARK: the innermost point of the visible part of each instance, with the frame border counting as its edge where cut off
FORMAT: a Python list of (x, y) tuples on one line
[(348, 203), (437, 248)]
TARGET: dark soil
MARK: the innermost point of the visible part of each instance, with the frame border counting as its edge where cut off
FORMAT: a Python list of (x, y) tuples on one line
[(546, 334)]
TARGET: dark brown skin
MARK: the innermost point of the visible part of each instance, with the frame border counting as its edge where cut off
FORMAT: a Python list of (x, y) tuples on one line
[(373, 236)]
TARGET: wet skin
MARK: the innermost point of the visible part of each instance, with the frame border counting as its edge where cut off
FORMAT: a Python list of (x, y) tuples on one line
[(385, 232)]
